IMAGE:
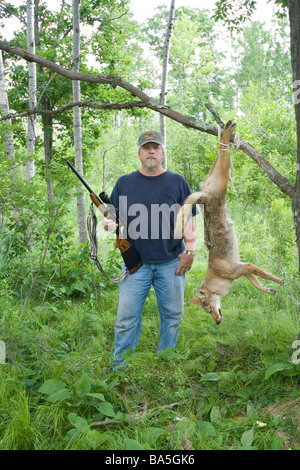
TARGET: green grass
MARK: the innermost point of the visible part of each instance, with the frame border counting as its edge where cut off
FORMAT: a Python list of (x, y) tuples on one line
[(234, 383)]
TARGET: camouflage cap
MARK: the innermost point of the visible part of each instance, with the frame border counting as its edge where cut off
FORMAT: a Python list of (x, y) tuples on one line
[(150, 136)]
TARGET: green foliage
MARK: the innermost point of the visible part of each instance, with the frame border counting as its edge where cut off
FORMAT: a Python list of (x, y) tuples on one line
[(195, 76), (225, 379), (237, 12), (234, 13), (262, 57), (235, 385)]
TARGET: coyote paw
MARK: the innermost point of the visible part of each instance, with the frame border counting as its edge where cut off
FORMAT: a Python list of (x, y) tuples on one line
[(272, 291)]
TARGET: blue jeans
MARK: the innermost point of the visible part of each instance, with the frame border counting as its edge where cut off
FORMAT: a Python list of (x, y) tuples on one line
[(134, 289)]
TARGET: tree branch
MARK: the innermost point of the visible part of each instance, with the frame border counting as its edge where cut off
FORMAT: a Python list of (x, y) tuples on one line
[(11, 10), (188, 121), (80, 104), (216, 117), (113, 81)]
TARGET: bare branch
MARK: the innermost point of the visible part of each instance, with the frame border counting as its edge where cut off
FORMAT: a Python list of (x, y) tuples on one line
[(216, 117), (103, 21)]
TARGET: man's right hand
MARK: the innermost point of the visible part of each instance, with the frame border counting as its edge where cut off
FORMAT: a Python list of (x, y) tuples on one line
[(109, 225)]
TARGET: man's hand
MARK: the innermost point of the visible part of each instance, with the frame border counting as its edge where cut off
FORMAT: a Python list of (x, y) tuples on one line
[(109, 225), (185, 264)]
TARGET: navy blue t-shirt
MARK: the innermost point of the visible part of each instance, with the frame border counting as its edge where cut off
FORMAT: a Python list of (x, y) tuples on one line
[(148, 205)]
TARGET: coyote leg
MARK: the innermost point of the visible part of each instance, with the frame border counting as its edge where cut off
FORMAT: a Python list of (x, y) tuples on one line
[(259, 285), (249, 268), (218, 178)]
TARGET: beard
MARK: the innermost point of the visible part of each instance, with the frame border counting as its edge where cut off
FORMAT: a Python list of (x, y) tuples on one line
[(151, 163)]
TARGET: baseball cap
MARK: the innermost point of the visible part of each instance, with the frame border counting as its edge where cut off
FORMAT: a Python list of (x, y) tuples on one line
[(150, 136)]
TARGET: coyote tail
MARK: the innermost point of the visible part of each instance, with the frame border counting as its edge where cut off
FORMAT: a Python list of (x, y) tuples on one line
[(184, 215)]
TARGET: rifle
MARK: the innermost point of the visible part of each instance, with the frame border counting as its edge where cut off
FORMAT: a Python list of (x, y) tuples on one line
[(131, 258)]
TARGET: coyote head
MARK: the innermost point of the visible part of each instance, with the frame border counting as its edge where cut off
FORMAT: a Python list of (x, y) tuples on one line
[(210, 303)]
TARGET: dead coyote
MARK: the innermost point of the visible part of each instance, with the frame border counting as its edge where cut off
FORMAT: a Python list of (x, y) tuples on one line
[(224, 264)]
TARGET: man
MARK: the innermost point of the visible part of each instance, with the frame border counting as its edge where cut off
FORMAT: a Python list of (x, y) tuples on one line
[(148, 199)]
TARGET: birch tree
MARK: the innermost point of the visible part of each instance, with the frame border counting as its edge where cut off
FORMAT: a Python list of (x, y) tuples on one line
[(9, 146), (32, 92), (77, 121), (4, 107), (163, 91)]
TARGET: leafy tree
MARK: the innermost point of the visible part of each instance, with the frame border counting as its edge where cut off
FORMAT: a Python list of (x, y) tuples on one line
[(263, 57), (195, 73), (54, 41), (105, 24)]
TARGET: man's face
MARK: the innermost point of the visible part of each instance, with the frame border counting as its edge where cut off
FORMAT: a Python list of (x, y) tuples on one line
[(151, 155)]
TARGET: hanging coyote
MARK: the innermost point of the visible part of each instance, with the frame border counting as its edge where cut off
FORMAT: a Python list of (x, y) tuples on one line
[(224, 264)]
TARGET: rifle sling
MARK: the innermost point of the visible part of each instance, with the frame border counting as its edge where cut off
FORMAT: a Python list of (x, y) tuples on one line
[(92, 230)]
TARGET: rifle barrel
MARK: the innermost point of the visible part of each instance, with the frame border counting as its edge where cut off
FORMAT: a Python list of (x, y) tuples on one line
[(96, 200), (80, 178)]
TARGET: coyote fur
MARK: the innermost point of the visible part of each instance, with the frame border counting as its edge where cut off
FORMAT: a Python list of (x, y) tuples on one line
[(224, 264)]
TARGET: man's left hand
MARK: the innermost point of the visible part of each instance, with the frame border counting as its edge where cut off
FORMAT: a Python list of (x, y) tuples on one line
[(185, 264)]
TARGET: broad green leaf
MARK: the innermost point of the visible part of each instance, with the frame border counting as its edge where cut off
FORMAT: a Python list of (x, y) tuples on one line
[(247, 438), (133, 445), (276, 443), (83, 385), (52, 386), (79, 423), (99, 396), (106, 409), (206, 429), (215, 415), (277, 368), (73, 433), (100, 384), (250, 409), (78, 285), (63, 394), (151, 435), (170, 354)]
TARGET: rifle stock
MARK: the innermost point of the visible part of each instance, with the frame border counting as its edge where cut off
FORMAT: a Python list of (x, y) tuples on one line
[(99, 205)]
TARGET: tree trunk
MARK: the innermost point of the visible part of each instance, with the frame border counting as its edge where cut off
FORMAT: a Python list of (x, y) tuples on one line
[(47, 120), (294, 15), (31, 133), (8, 136), (77, 122), (4, 107), (164, 78), (48, 145)]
